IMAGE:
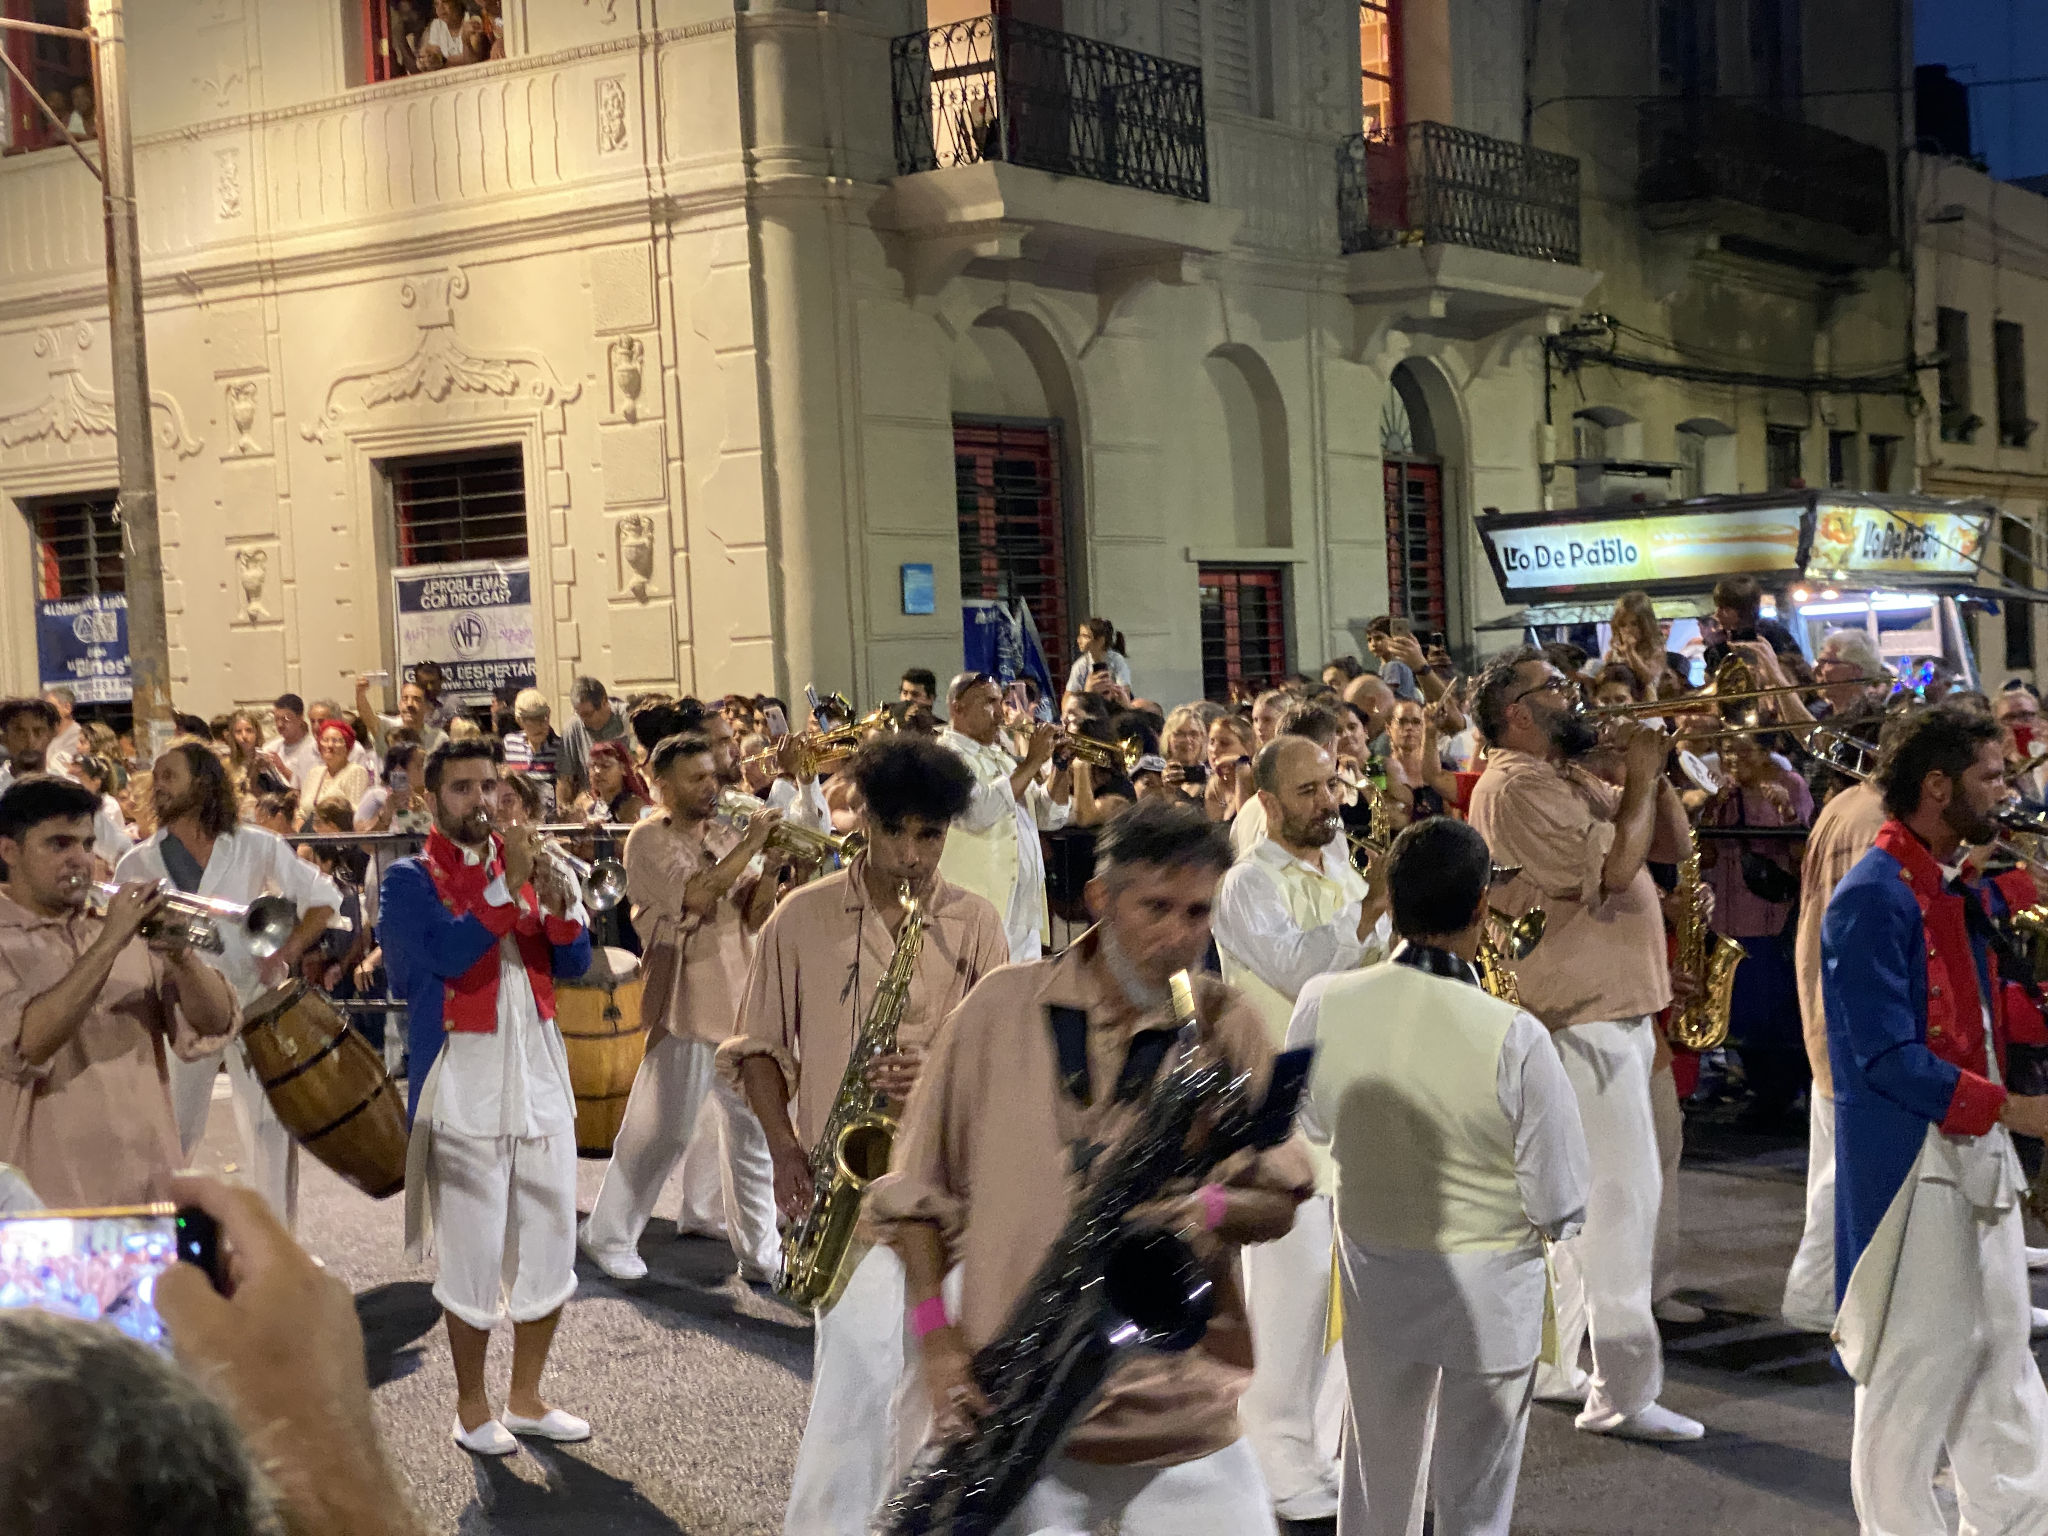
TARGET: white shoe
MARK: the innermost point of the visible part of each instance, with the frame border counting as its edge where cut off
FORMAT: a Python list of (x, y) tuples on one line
[(553, 1425), (489, 1438), (620, 1266), (1655, 1422), (1555, 1385), (2037, 1258), (1672, 1310), (2038, 1321)]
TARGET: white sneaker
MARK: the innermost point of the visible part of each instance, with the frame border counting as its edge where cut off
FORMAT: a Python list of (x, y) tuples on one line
[(1672, 1310), (489, 1438), (552, 1425), (620, 1266), (1655, 1422), (1556, 1385), (2037, 1258)]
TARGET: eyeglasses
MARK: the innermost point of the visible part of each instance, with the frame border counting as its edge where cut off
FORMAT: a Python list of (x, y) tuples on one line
[(1548, 685)]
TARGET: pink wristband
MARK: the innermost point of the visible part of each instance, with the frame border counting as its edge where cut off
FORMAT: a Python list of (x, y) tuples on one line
[(1215, 1205), (928, 1316)]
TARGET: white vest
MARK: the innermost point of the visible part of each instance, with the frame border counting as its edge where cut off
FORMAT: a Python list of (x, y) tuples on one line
[(1405, 1076), (1313, 900)]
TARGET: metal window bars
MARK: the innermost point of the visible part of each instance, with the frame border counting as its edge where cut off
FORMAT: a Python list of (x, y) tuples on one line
[(471, 508), (992, 88), (1439, 185)]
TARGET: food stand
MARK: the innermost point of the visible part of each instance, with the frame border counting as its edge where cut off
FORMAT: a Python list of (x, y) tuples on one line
[(1899, 566)]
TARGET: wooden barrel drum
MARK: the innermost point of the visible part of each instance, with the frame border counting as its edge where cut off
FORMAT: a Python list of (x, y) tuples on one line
[(329, 1087), (599, 1016)]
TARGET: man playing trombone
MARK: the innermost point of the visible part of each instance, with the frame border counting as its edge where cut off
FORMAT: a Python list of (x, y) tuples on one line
[(699, 898), (476, 930), (1293, 909)]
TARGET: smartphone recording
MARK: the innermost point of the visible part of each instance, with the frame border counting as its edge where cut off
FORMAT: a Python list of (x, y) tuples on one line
[(102, 1266)]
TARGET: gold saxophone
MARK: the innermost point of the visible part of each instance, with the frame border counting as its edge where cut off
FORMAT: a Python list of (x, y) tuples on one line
[(860, 1133), (1701, 1024)]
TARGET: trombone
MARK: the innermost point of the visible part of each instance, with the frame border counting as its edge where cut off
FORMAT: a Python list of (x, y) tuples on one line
[(190, 921), (1735, 681)]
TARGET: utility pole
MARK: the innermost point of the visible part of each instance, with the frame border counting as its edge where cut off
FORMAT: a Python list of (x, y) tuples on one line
[(149, 647)]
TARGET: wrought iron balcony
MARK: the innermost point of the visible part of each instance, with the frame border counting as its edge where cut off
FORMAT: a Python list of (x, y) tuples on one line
[(1440, 185), (1804, 188), (996, 89)]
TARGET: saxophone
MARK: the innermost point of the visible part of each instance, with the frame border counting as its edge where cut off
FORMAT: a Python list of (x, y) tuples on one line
[(1495, 979), (1106, 1287), (1702, 1023), (854, 1150)]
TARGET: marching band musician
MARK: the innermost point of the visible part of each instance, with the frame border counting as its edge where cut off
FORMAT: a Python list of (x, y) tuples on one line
[(1291, 910), (1930, 1257), (88, 1015), (1597, 981), (476, 929), (1458, 1140), (699, 897), (821, 957), (201, 845), (994, 851), (1040, 1070)]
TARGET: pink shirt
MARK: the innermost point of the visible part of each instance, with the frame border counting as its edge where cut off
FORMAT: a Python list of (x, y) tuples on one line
[(695, 968), (1842, 834), (1739, 913)]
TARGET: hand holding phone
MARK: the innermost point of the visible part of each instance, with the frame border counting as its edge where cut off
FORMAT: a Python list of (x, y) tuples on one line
[(105, 1266), (776, 721)]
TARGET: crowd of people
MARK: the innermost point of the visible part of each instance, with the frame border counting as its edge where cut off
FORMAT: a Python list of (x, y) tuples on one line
[(427, 35), (836, 911)]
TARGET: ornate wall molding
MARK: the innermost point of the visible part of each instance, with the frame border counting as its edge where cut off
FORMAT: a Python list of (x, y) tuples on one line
[(613, 131), (439, 368), (73, 409)]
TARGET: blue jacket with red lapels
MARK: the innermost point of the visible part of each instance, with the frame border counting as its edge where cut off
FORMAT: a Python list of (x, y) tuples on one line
[(1903, 977)]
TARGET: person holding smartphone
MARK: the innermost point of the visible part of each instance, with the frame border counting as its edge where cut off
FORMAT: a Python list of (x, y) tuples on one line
[(1101, 645), (89, 1012)]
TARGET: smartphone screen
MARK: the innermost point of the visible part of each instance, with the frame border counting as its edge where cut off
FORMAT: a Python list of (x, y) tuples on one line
[(101, 1266), (778, 727), (1399, 626)]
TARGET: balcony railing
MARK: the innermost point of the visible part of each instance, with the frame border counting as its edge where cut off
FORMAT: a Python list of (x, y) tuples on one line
[(996, 89), (1443, 185), (1696, 149)]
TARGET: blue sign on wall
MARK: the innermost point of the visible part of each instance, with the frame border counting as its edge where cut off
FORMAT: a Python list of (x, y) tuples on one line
[(82, 644), (919, 594)]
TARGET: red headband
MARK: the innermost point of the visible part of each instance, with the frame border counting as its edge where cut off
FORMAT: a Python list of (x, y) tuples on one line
[(337, 725)]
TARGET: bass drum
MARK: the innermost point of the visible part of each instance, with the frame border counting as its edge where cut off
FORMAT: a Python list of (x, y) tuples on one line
[(598, 1014), (329, 1087)]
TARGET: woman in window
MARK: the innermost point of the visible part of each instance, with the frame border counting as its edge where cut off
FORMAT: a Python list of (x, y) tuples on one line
[(337, 775), (1102, 650)]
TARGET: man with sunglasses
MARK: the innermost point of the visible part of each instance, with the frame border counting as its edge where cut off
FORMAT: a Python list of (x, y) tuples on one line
[(1597, 981)]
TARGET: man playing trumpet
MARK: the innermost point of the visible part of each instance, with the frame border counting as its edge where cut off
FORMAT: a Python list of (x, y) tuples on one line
[(476, 931)]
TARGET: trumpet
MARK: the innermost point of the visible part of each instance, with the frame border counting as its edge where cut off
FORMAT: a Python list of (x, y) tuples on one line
[(1105, 755), (824, 748), (740, 808), (190, 921), (601, 884)]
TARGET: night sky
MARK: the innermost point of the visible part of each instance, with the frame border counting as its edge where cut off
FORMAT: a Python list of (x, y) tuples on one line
[(1994, 40)]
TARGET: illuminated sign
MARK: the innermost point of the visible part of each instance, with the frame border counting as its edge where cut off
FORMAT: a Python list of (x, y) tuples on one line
[(1858, 539), (1638, 551)]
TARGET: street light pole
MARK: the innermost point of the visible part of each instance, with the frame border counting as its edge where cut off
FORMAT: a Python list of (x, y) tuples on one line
[(149, 646)]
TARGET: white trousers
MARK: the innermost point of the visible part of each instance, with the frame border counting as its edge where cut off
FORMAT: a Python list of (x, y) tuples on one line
[(1954, 1371), (662, 1112), (270, 1158), (504, 1225), (1810, 1286), (728, 1180), (1411, 1418), (1603, 1274), (1670, 1122), (1216, 1495), (868, 1408), (1294, 1408)]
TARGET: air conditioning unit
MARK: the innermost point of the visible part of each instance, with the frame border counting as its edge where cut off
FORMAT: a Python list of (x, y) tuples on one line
[(1621, 482)]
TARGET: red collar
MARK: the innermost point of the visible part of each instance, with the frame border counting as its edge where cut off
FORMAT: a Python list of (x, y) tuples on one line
[(1916, 860), (460, 882)]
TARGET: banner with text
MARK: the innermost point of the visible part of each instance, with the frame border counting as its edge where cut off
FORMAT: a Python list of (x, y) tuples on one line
[(1637, 551), (1856, 539), (82, 644), (474, 619)]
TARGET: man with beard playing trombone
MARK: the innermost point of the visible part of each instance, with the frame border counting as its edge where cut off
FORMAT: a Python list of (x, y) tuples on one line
[(820, 961), (1597, 981)]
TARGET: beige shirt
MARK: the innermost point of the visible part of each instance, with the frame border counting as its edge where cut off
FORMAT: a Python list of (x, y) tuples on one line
[(1842, 834), (92, 1125), (694, 969), (1602, 956), (823, 954), (985, 1155)]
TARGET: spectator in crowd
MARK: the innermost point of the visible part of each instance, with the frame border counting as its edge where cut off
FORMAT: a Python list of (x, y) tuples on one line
[(84, 121), (617, 793), (1851, 674), (919, 685), (1375, 700), (1738, 615), (398, 800), (1184, 743), (1102, 653), (1415, 773), (69, 740), (296, 749), (111, 836), (442, 45), (536, 747), (336, 774), (26, 729), (1340, 670), (599, 717), (1636, 640), (1395, 672), (1232, 741)]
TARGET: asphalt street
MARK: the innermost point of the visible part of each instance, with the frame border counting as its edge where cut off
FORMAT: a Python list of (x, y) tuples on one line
[(696, 1384)]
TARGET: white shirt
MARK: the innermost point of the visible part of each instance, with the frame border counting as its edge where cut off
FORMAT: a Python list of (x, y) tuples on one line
[(994, 799), (513, 1082), (65, 748), (110, 839), (1478, 1311), (247, 863), (440, 35), (1077, 675), (301, 759), (1253, 923), (801, 805)]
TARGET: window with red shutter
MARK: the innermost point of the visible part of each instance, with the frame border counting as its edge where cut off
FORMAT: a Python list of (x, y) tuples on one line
[(1244, 629), (451, 507), (1013, 524), (1416, 588)]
